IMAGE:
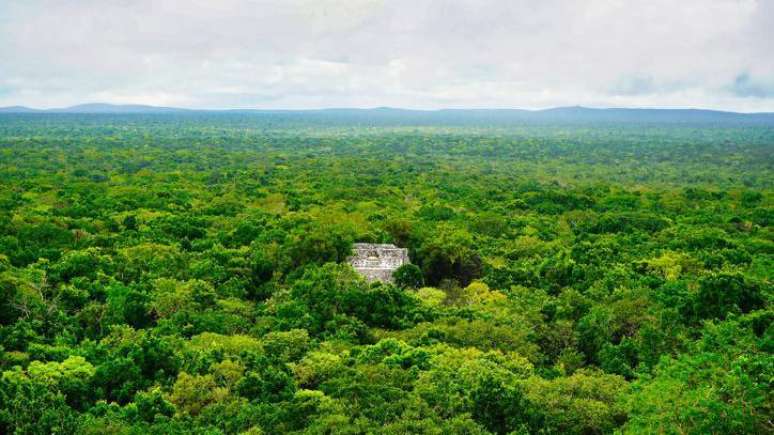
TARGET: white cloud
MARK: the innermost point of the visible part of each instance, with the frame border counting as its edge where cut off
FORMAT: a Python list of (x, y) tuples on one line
[(408, 53)]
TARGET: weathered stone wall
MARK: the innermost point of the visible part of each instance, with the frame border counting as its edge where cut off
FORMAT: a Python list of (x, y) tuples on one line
[(377, 262)]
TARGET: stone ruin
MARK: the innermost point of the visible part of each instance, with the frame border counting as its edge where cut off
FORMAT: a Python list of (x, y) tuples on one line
[(377, 262)]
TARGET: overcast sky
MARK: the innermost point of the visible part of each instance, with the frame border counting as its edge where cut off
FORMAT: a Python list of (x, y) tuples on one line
[(404, 53)]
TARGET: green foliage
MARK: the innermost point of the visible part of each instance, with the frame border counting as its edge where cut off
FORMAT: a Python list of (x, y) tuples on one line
[(723, 386), (153, 405), (177, 274), (722, 294), (408, 276), (335, 300), (191, 393)]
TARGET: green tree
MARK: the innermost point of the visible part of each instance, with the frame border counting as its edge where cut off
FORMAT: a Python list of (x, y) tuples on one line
[(408, 276)]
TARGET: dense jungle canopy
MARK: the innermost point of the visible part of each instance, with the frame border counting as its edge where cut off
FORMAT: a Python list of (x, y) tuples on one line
[(186, 273)]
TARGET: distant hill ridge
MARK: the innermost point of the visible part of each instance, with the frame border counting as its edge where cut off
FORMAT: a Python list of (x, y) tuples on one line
[(96, 108), (388, 114)]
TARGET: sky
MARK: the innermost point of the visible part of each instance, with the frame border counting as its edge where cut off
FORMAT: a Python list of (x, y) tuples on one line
[(424, 54)]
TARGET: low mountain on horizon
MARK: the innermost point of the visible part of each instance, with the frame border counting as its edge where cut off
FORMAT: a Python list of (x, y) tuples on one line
[(389, 115), (96, 108), (117, 108), (19, 109)]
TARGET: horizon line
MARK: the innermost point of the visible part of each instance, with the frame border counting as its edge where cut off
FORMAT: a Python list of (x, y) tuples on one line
[(259, 109)]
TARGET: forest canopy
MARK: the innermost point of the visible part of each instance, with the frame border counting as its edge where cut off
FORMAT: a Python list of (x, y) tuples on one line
[(187, 274)]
